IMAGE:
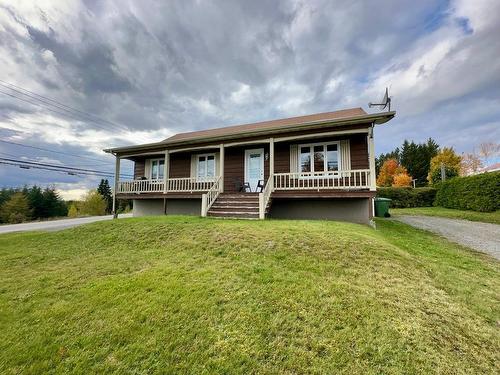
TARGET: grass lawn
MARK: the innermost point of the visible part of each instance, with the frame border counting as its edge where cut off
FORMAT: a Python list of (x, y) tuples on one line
[(193, 296), (487, 217)]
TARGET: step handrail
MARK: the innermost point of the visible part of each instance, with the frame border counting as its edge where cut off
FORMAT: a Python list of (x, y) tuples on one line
[(208, 199), (264, 197)]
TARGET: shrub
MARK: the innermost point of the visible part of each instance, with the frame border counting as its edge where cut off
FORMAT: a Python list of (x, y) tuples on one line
[(408, 197), (93, 204), (73, 211), (476, 193), (16, 209)]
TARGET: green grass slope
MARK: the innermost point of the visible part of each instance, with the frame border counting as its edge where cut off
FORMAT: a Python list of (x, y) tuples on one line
[(192, 295)]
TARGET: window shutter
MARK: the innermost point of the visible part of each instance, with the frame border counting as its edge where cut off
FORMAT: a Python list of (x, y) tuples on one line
[(194, 160), (345, 154), (217, 164), (294, 158), (147, 168)]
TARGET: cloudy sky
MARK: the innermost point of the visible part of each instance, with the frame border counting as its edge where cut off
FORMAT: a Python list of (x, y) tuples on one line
[(149, 69)]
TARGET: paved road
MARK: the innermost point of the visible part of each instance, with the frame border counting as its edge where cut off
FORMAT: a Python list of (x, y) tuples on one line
[(55, 224), (484, 237)]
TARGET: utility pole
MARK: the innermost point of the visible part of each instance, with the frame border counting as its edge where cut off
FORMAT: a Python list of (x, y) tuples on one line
[(443, 172)]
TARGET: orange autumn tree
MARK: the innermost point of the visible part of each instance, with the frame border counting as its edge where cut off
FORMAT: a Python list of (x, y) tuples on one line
[(393, 174)]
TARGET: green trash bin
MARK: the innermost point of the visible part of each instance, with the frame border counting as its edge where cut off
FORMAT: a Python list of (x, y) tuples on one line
[(382, 207)]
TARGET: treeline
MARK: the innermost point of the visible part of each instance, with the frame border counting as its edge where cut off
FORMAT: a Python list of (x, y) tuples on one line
[(35, 203), (30, 203), (411, 161), (425, 163)]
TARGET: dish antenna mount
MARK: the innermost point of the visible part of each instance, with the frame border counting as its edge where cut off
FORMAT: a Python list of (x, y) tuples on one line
[(386, 102)]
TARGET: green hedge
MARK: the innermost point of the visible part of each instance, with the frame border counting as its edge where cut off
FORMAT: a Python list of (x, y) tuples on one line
[(476, 193), (408, 197)]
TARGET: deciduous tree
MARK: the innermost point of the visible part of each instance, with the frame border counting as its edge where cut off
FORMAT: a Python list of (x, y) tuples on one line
[(93, 204), (451, 162), (389, 170), (16, 209)]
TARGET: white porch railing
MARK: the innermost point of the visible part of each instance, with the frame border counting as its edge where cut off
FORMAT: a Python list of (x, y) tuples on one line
[(265, 196), (141, 186), (208, 199), (188, 184), (352, 179)]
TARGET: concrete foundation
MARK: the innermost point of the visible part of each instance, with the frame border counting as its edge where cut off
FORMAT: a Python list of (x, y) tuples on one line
[(150, 207), (356, 210), (184, 207), (147, 207)]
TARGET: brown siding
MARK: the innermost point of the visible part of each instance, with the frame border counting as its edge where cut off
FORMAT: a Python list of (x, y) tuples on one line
[(180, 165), (234, 165), (359, 152), (139, 168)]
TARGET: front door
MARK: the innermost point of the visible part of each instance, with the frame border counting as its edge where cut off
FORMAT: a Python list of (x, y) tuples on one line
[(254, 167)]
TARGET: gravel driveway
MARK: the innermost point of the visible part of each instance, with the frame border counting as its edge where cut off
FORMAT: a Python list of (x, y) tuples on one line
[(484, 237)]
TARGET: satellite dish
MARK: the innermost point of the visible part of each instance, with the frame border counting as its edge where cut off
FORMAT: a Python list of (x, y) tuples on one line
[(386, 102)]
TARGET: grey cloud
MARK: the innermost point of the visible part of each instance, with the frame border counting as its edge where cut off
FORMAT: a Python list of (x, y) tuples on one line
[(179, 65)]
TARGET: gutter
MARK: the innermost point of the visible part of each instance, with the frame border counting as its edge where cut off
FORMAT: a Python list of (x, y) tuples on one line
[(379, 118)]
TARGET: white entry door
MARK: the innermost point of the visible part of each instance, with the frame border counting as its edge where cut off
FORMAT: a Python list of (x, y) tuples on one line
[(254, 167)]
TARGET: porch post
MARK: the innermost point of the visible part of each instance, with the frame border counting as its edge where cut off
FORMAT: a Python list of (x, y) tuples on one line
[(221, 169), (166, 169), (271, 157), (115, 189), (371, 159)]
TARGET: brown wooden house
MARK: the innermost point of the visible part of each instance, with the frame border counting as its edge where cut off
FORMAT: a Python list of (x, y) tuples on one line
[(316, 166)]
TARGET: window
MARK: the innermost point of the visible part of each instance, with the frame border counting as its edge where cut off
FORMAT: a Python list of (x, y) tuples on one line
[(157, 169), (319, 158), (305, 159), (205, 167)]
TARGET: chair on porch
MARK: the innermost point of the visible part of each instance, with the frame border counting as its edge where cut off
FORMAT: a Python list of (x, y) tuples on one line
[(260, 186), (241, 187)]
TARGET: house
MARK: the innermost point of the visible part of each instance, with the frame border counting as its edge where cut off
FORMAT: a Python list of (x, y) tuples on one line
[(315, 166)]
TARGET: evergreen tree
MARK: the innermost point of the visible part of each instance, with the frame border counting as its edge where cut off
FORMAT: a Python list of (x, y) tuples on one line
[(36, 201), (105, 191), (53, 205)]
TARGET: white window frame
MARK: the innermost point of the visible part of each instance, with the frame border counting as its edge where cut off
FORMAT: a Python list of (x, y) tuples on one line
[(151, 161), (325, 171), (206, 178)]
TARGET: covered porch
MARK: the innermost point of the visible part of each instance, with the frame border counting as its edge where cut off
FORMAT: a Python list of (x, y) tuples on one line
[(269, 167)]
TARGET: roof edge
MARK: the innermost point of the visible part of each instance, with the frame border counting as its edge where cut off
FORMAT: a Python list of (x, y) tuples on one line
[(375, 118)]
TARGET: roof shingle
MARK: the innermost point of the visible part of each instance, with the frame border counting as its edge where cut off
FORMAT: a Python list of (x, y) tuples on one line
[(265, 125)]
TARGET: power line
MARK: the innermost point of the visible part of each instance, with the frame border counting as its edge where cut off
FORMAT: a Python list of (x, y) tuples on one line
[(23, 157), (65, 167), (55, 170), (59, 105), (54, 151)]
